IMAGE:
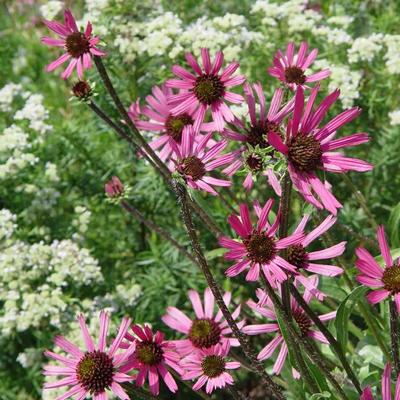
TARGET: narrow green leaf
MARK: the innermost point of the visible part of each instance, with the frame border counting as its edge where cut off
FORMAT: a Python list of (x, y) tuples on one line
[(343, 314)]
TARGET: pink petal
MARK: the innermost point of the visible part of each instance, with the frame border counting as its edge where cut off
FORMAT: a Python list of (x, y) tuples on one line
[(383, 245), (53, 65), (377, 296), (196, 302)]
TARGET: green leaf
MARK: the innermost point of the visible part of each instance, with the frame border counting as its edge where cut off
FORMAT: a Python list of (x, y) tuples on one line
[(394, 223), (343, 314)]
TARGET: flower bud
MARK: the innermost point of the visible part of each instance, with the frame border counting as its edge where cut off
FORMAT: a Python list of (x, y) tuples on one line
[(114, 188), (82, 90)]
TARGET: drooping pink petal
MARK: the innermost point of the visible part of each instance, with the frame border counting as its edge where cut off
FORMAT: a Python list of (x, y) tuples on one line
[(383, 245)]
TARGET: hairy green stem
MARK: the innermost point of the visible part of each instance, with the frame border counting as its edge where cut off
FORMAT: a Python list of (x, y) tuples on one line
[(278, 306), (324, 330), (154, 160), (216, 290), (394, 335), (156, 228)]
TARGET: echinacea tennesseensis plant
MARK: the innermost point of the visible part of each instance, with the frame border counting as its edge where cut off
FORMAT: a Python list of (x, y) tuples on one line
[(188, 131)]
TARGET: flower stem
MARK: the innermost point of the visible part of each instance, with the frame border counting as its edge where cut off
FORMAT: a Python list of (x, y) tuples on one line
[(152, 226), (283, 231), (235, 393), (181, 193), (324, 330), (370, 320), (120, 130), (302, 341), (394, 335), (124, 114)]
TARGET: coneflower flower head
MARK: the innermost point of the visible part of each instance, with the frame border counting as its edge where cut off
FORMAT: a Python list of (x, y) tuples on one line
[(79, 46)]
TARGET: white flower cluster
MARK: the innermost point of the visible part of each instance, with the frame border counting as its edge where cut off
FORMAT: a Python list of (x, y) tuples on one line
[(81, 222), (165, 34), (299, 18), (16, 144), (35, 112), (344, 78), (50, 9), (7, 224), (51, 172), (35, 280), (394, 117), (365, 48), (94, 10), (392, 55), (7, 95)]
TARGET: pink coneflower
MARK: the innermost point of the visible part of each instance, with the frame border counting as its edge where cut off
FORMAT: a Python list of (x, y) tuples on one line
[(304, 323), (206, 89), (80, 46), (152, 357), (211, 368), (290, 68), (91, 372), (161, 120), (193, 163), (309, 148), (256, 154), (204, 331), (386, 387), (114, 188), (386, 280), (302, 259), (257, 246)]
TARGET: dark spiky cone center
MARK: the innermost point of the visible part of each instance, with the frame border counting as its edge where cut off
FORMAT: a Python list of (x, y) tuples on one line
[(95, 371), (303, 322), (193, 167), (254, 162), (297, 255), (208, 88), (175, 123), (391, 278), (149, 353), (305, 153), (213, 366), (257, 134), (295, 75), (77, 44), (260, 247), (204, 333), (82, 90)]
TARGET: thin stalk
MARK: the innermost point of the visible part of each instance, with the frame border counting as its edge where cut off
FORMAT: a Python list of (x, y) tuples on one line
[(120, 130), (216, 290), (361, 200), (394, 335), (302, 341), (124, 114), (156, 228), (371, 322), (324, 330), (283, 231), (235, 393)]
